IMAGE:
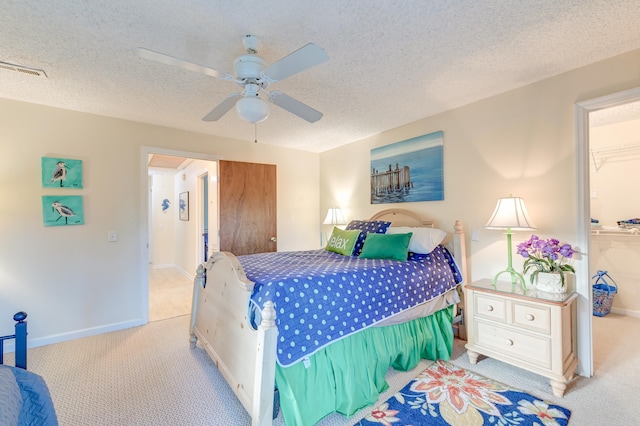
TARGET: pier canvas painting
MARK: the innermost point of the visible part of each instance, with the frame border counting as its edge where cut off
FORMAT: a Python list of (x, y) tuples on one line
[(62, 210), (61, 173), (408, 171)]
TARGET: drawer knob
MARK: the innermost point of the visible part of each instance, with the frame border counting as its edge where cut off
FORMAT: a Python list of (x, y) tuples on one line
[(509, 342), (489, 308), (529, 317)]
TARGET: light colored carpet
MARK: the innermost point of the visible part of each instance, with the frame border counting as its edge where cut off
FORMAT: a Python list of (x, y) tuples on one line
[(170, 293), (149, 376)]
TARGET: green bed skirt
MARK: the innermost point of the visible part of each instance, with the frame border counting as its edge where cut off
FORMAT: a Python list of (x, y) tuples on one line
[(350, 374)]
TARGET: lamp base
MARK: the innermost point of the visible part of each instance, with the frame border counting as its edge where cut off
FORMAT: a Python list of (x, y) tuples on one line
[(515, 276)]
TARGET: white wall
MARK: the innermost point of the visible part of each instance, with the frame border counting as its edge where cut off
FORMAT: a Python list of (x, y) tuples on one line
[(71, 280), (162, 237), (619, 255)]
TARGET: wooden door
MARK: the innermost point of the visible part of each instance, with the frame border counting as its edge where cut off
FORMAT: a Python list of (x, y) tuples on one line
[(248, 221)]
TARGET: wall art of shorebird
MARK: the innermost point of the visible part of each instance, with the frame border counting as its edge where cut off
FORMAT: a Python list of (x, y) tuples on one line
[(63, 211), (60, 173)]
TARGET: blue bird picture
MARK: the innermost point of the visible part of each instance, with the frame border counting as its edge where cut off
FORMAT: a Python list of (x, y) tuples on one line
[(62, 210), (61, 173)]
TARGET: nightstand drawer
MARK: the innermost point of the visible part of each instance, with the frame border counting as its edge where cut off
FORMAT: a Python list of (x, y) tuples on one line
[(532, 317), (525, 347), (490, 307)]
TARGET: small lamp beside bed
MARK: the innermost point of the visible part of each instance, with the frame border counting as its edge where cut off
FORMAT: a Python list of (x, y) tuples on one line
[(510, 214), (334, 217)]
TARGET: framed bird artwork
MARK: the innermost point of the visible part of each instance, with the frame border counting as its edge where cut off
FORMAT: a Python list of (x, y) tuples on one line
[(61, 173), (62, 210)]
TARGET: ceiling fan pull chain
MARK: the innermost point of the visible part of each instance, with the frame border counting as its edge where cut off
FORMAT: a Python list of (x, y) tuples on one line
[(255, 132)]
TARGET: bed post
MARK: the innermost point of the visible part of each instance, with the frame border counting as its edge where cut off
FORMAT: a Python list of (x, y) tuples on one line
[(265, 378), (459, 249), (460, 254), (21, 339)]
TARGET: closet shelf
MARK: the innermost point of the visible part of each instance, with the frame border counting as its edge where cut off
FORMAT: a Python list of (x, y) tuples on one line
[(631, 232), (599, 156)]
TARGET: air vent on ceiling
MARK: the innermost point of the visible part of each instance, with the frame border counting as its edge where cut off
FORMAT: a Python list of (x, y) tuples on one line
[(25, 70)]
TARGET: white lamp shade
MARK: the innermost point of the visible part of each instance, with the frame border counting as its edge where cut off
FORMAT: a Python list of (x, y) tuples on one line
[(510, 213), (334, 217), (252, 109)]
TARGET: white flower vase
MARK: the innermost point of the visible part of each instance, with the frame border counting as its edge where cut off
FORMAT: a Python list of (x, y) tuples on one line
[(551, 282)]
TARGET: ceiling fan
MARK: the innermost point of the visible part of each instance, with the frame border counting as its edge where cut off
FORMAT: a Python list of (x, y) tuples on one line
[(254, 77)]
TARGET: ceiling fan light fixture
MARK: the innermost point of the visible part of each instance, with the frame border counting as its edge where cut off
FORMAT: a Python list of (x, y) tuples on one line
[(252, 109)]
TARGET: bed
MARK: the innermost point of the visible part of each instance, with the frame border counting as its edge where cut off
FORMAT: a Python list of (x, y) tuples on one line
[(326, 333), (25, 396)]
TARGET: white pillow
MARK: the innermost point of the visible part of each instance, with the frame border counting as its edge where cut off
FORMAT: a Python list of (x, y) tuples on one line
[(423, 240)]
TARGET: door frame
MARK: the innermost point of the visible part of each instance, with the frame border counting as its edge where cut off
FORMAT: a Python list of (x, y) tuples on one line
[(200, 218), (583, 211), (144, 197)]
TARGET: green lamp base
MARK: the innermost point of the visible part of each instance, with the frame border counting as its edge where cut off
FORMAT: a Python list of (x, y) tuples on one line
[(515, 277)]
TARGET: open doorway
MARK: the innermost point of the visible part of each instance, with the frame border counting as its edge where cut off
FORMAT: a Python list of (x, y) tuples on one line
[(178, 214), (614, 147), (591, 336)]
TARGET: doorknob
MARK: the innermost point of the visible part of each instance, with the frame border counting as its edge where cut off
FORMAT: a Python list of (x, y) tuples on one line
[(274, 239)]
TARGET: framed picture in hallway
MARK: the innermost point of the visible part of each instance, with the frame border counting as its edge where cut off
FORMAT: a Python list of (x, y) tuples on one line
[(408, 171), (183, 203)]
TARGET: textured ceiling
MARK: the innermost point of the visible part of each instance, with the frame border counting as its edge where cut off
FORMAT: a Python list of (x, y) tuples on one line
[(390, 62)]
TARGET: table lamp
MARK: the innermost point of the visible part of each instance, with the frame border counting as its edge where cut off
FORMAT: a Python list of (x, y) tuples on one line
[(510, 214), (334, 217)]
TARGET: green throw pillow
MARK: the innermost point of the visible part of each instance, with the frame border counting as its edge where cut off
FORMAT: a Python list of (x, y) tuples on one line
[(342, 242), (386, 246)]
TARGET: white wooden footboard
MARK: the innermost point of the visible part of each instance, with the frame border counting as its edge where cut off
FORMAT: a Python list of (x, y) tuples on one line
[(219, 318)]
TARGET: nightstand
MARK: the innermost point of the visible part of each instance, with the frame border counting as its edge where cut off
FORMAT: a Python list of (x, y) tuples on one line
[(532, 330)]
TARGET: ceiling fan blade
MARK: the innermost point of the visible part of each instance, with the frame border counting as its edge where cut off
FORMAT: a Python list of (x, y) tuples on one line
[(222, 108), (170, 60), (304, 58), (295, 107)]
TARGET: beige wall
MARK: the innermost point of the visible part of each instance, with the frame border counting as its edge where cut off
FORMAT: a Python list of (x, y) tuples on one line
[(71, 280), (521, 142)]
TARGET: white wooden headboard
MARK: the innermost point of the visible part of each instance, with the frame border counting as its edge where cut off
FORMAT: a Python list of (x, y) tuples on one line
[(402, 217)]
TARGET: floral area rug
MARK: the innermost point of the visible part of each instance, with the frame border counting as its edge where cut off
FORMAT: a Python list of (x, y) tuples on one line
[(444, 394)]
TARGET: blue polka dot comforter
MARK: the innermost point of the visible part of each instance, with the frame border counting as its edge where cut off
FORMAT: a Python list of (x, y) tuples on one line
[(321, 297)]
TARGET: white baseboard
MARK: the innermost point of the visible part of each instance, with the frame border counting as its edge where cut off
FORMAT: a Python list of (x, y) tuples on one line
[(627, 312), (162, 266), (189, 276), (76, 334)]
